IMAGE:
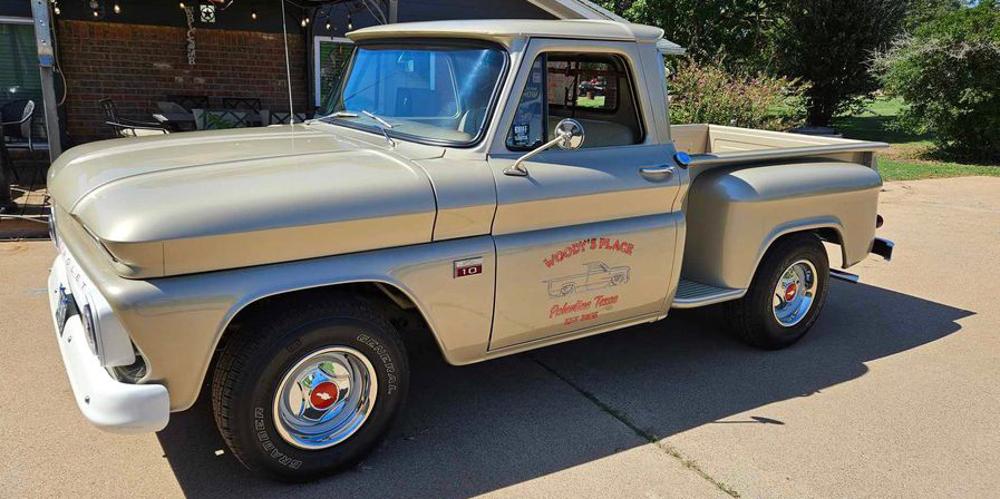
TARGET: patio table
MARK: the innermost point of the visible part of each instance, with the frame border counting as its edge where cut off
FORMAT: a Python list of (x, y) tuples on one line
[(176, 121)]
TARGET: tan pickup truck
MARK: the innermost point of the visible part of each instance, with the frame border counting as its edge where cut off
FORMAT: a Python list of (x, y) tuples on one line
[(502, 185)]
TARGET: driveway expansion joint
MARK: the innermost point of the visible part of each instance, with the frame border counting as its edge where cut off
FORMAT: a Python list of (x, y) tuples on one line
[(639, 431)]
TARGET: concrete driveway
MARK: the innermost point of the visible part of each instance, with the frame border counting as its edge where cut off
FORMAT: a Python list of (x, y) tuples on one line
[(894, 393)]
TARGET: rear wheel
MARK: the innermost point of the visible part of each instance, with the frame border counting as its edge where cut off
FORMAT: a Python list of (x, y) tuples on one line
[(303, 391), (786, 295)]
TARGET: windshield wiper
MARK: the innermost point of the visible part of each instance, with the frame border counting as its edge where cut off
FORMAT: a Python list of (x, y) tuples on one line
[(376, 118), (383, 125), (337, 114)]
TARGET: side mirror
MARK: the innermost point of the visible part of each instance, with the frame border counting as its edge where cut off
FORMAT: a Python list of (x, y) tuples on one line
[(568, 135)]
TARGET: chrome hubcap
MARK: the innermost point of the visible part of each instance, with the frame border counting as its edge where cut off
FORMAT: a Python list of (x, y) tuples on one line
[(325, 398), (794, 293)]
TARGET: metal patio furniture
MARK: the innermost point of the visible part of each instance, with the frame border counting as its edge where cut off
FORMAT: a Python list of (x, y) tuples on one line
[(190, 102), (125, 127), (15, 124), (242, 103)]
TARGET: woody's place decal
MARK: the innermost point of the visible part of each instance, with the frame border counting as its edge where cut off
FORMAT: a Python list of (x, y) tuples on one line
[(597, 275), (593, 244), (583, 310)]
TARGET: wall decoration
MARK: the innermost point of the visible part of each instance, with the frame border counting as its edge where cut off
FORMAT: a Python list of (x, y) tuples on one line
[(191, 48), (207, 13)]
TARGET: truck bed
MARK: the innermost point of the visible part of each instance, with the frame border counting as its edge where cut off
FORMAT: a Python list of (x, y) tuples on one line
[(717, 145)]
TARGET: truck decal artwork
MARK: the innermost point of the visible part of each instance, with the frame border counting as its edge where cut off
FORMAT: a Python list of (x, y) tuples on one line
[(598, 275), (582, 310), (620, 246)]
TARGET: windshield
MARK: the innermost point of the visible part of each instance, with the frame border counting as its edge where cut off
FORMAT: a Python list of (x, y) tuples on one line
[(437, 94)]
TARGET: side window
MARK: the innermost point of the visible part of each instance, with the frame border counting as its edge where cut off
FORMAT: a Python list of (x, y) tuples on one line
[(595, 89), (528, 130), (578, 84)]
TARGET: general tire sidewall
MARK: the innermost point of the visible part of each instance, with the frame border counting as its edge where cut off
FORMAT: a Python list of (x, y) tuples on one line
[(256, 391)]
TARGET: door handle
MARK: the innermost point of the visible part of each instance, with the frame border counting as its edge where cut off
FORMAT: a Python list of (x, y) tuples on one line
[(664, 171)]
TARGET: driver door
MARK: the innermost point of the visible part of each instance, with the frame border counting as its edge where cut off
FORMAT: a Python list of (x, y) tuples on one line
[(588, 239)]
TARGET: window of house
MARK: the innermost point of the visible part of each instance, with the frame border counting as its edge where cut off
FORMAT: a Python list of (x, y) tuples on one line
[(19, 77), (331, 58), (594, 89)]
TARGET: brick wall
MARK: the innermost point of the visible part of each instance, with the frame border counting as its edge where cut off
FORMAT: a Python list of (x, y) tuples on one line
[(137, 65)]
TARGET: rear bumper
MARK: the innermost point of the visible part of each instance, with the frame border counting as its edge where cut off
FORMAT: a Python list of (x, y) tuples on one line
[(106, 402), (883, 248)]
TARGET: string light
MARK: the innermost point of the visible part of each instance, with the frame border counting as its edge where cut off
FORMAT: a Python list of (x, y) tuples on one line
[(328, 26), (350, 25), (181, 5), (253, 15), (305, 21), (56, 9), (117, 8)]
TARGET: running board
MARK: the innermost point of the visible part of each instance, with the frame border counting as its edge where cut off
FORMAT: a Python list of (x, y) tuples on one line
[(844, 276), (691, 294)]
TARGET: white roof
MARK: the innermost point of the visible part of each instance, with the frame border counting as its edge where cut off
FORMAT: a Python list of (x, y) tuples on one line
[(507, 29)]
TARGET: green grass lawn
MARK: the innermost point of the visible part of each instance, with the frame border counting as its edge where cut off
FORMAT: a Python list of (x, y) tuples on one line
[(910, 157)]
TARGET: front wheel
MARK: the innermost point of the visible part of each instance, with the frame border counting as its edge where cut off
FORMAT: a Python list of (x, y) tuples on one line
[(786, 294), (305, 390)]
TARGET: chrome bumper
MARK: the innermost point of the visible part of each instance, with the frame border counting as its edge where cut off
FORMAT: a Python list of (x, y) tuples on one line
[(106, 402)]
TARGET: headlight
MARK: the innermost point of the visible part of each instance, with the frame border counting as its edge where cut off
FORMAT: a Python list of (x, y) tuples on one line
[(106, 335), (90, 328)]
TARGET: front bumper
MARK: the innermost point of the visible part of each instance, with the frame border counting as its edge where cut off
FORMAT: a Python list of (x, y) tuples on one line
[(106, 402)]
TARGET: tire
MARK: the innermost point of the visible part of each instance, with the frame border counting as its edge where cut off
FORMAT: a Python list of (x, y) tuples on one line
[(755, 317), (286, 338)]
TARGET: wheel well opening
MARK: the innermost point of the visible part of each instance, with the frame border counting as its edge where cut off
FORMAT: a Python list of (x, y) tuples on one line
[(828, 235), (831, 235), (386, 298)]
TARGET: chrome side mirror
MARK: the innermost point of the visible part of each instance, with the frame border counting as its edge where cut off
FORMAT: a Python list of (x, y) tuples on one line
[(568, 135)]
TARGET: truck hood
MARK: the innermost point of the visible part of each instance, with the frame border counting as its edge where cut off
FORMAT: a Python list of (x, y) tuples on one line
[(202, 201)]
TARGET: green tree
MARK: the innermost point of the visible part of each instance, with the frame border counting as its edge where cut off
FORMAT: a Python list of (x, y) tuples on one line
[(735, 32), (828, 44), (948, 71)]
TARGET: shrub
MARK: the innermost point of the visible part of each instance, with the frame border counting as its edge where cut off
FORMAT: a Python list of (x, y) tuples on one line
[(706, 93), (948, 71)]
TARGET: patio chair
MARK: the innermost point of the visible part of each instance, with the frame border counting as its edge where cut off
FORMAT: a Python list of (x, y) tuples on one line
[(16, 118), (242, 103), (282, 117), (125, 127), (190, 102), (15, 124), (215, 119)]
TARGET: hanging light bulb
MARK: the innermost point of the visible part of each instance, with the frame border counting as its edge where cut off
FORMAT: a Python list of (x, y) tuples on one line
[(117, 8), (56, 9), (181, 5), (253, 15), (350, 25), (328, 26), (305, 21)]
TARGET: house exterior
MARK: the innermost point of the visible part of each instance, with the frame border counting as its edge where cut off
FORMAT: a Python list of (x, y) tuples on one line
[(137, 53)]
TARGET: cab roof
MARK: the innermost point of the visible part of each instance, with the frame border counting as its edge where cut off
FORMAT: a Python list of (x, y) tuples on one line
[(506, 30)]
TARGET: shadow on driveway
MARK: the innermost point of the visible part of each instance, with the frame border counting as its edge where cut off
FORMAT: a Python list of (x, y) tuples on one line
[(473, 429)]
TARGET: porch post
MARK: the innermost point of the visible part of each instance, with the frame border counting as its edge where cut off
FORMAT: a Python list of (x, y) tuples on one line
[(393, 11), (46, 63)]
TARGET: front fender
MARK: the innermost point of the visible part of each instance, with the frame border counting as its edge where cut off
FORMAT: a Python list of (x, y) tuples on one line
[(177, 322)]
